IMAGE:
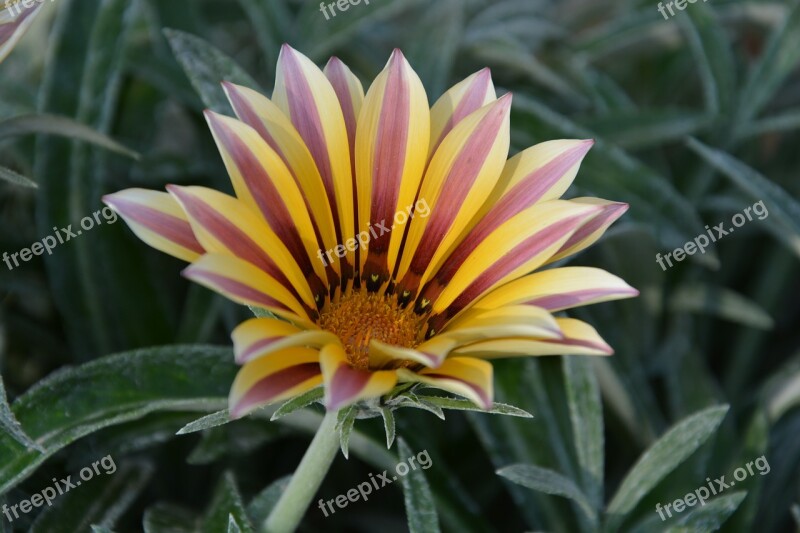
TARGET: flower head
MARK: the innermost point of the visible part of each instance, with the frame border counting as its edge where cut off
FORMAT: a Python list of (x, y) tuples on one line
[(392, 241)]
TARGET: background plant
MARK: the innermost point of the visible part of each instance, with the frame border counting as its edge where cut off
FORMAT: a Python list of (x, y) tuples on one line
[(695, 119)]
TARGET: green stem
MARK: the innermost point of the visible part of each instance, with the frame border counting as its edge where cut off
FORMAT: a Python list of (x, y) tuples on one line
[(305, 482)]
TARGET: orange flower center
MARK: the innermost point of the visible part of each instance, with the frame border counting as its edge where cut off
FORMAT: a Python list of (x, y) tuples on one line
[(359, 316)]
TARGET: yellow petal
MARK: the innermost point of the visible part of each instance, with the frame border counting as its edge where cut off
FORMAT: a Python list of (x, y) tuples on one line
[(579, 339), (259, 337), (223, 224), (558, 289), (391, 152), (262, 181), (306, 96), (465, 376), (272, 379), (459, 102), (244, 283), (257, 111), (345, 385), (157, 219), (463, 171)]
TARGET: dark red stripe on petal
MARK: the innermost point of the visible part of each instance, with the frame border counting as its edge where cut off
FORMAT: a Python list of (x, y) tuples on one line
[(236, 288), (582, 343), (8, 29), (270, 203), (522, 196), (256, 348), (233, 238), (609, 214), (523, 252), (346, 384), (388, 165), (303, 114), (573, 299), (170, 227), (337, 75), (274, 385), (457, 185), (249, 116), (472, 100)]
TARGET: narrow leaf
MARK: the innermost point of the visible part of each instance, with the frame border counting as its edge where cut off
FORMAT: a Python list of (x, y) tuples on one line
[(298, 402), (388, 425), (549, 482), (207, 67), (6, 174), (669, 451), (220, 418), (461, 404), (420, 510)]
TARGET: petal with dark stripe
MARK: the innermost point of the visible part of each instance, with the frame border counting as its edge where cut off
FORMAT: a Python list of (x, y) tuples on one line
[(391, 152), (258, 112), (259, 337), (515, 248), (461, 175), (579, 339), (558, 289), (306, 96), (345, 385), (457, 103), (246, 284), (592, 229), (223, 224), (272, 379), (262, 181), (157, 219), (465, 376)]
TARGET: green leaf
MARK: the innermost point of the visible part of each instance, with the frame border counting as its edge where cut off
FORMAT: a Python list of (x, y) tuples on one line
[(10, 424), (344, 424), (409, 399), (207, 67), (220, 418), (167, 518), (99, 314), (420, 509), (102, 500), (712, 53), (796, 514), (262, 504), (720, 302), (700, 519), (63, 126), (586, 416), (226, 507), (776, 63), (782, 208), (6, 174), (299, 402), (388, 425), (549, 482), (462, 404), (639, 128), (669, 451), (75, 402)]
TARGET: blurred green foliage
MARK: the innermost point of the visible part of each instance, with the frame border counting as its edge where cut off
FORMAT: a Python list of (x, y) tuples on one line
[(695, 118)]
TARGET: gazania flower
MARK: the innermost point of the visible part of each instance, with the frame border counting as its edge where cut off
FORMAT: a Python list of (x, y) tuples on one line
[(392, 242)]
